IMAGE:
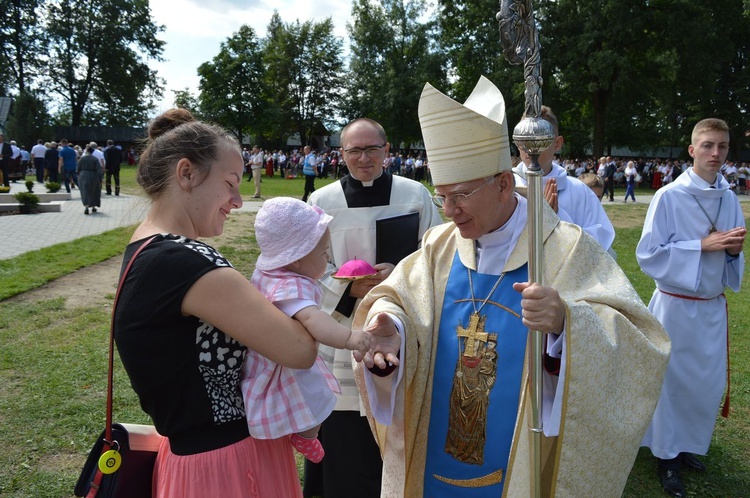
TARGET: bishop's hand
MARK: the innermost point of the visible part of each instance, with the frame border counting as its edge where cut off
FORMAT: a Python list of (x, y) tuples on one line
[(542, 307), (385, 345)]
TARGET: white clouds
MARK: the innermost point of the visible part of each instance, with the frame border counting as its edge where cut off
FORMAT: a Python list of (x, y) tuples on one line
[(195, 29)]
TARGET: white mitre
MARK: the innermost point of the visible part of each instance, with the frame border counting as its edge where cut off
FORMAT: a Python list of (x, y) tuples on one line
[(465, 142)]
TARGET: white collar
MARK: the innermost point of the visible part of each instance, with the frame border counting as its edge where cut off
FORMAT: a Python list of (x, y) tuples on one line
[(371, 182), (498, 244)]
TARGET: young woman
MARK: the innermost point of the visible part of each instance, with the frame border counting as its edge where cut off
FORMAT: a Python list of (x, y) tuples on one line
[(186, 319)]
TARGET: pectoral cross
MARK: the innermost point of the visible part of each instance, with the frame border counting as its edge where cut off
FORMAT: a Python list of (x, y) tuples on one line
[(474, 334)]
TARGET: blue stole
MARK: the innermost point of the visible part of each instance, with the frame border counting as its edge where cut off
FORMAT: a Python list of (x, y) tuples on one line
[(445, 475)]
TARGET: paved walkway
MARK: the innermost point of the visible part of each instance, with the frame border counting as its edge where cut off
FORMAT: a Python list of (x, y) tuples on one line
[(23, 233)]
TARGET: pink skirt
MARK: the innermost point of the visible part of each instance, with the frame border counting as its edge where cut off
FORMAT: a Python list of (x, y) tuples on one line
[(249, 468)]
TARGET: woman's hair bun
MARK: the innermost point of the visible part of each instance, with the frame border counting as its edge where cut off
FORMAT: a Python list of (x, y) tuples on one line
[(170, 120)]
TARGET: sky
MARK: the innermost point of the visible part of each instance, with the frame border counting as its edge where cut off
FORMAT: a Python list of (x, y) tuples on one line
[(195, 29)]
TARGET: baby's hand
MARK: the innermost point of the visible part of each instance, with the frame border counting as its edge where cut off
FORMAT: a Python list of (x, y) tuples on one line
[(359, 341)]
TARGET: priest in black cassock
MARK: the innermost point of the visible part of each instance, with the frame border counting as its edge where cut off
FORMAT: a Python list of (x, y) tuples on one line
[(379, 218)]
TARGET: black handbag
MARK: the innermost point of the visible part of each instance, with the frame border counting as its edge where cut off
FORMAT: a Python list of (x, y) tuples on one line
[(121, 462), (138, 445)]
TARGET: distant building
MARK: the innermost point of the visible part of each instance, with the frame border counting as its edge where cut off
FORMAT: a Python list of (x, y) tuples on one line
[(82, 135)]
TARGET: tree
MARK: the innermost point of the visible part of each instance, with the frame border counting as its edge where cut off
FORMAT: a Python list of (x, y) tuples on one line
[(617, 72), (184, 99), (98, 59), (231, 84), (710, 74), (20, 43), (279, 53), (599, 53), (304, 64), (469, 33), (392, 57), (29, 119)]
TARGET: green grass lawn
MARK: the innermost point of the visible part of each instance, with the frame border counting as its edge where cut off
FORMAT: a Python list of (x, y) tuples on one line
[(53, 365)]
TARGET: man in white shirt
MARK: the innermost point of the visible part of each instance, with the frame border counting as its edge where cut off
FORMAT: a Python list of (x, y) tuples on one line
[(730, 172), (580, 170), (97, 153), (282, 164), (246, 158), (37, 157), (16, 155)]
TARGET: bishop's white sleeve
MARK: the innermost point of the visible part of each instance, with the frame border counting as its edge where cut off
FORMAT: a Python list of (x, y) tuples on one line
[(381, 391), (552, 386)]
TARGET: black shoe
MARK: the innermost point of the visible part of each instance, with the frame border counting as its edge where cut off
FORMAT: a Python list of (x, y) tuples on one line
[(93, 209), (671, 481), (690, 462), (86, 211)]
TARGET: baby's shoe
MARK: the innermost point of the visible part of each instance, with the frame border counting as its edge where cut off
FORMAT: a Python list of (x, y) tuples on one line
[(309, 447)]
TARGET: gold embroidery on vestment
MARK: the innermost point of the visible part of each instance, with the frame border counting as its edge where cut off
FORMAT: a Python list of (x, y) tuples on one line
[(476, 371), (477, 482), (473, 334)]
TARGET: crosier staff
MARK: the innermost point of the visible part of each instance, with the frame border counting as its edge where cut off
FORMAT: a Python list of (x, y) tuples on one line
[(520, 40)]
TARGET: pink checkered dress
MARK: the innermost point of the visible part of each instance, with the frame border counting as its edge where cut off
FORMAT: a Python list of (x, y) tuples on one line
[(280, 400)]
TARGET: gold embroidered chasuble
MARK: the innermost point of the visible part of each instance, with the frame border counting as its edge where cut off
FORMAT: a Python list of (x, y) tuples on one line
[(616, 354)]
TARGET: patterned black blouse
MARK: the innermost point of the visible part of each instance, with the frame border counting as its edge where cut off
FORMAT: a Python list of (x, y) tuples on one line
[(185, 371)]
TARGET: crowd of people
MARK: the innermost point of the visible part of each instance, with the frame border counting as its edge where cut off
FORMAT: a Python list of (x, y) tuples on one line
[(88, 168), (653, 173), (630, 173), (406, 377), (289, 164), (329, 163)]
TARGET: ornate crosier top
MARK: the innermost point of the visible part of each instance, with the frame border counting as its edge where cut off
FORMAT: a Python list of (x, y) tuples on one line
[(520, 40)]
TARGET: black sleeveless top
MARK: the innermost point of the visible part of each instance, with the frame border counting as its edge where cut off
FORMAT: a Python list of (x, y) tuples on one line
[(185, 371)]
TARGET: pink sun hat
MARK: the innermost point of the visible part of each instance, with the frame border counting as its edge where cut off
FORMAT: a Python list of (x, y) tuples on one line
[(287, 229)]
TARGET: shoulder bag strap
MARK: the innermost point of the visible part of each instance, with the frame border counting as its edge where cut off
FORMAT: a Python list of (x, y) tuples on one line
[(110, 375), (108, 443)]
